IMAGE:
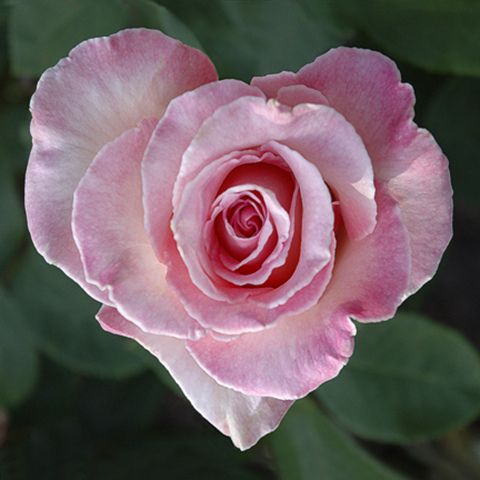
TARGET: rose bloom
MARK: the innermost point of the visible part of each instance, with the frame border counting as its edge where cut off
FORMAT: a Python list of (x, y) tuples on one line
[(234, 230)]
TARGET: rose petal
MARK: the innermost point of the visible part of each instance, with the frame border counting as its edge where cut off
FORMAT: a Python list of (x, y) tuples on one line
[(288, 360), (105, 86), (224, 231), (271, 84), (418, 178), (380, 107), (316, 132), (244, 418), (111, 238), (296, 94), (190, 217), (241, 317), (170, 139), (364, 86), (301, 352), (317, 226), (280, 219)]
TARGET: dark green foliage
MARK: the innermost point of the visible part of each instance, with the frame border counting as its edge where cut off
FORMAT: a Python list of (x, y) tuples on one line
[(403, 384)]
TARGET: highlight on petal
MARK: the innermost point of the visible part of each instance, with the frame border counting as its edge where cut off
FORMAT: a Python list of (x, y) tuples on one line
[(103, 88), (301, 352), (418, 179), (114, 247), (242, 417)]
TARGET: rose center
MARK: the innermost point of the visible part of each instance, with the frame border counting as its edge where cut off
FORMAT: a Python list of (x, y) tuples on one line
[(246, 216)]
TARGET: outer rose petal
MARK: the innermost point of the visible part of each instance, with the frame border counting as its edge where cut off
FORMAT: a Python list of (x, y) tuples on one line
[(114, 247), (296, 94), (271, 84), (244, 418), (366, 88), (301, 352), (175, 131), (105, 86), (424, 192)]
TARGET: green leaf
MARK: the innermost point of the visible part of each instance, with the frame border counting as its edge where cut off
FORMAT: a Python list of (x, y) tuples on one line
[(122, 407), (162, 374), (408, 380), (279, 35), (16, 141), (307, 446), (437, 35), (452, 117), (246, 38), (18, 359), (13, 155), (3, 38), (75, 427), (150, 15), (43, 31), (61, 316), (199, 457), (12, 224)]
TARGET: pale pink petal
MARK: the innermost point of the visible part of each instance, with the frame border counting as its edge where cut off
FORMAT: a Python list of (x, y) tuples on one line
[(418, 178), (286, 361), (271, 84), (271, 173), (115, 249), (170, 139), (317, 132), (372, 275), (301, 352), (296, 94), (364, 86), (242, 417), (105, 86)]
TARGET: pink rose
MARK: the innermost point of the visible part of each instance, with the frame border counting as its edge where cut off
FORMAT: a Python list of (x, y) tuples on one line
[(234, 230)]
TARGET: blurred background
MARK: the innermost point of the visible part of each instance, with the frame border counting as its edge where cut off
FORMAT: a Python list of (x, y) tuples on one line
[(78, 403)]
